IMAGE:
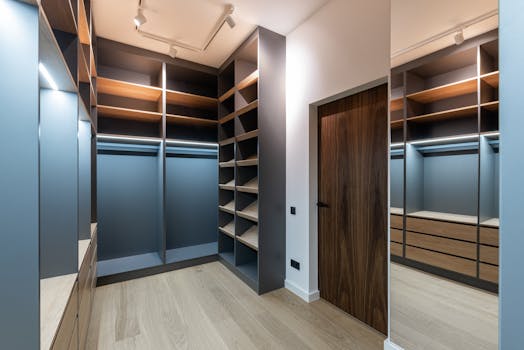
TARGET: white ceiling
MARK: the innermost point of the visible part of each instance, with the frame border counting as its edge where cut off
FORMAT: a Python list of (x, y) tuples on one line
[(191, 21), (413, 21)]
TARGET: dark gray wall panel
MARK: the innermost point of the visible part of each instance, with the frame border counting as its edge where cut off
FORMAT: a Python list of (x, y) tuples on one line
[(58, 183), (450, 184), (127, 191), (19, 294), (397, 182), (272, 159), (192, 200), (84, 180), (487, 181)]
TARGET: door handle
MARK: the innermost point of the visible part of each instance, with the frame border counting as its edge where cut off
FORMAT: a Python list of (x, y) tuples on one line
[(322, 205)]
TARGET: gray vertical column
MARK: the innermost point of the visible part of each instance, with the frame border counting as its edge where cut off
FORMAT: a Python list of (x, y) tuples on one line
[(58, 183), (84, 180), (511, 170), (19, 187), (487, 181), (414, 180), (162, 175)]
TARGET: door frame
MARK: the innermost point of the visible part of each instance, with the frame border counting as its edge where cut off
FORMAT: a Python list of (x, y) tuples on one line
[(314, 188)]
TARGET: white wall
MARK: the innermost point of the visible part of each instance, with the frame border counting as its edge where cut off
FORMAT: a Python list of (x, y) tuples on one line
[(342, 46)]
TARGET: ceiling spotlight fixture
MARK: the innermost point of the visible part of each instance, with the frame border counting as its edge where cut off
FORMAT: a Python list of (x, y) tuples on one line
[(172, 51), (459, 37), (231, 22), (140, 18)]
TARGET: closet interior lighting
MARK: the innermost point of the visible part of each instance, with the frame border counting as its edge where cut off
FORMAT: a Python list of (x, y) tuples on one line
[(444, 139), (47, 76)]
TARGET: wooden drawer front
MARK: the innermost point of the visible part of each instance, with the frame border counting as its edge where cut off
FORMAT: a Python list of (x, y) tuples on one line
[(396, 221), (489, 236), (73, 343), (444, 261), (441, 228), (396, 248), (443, 245), (489, 273), (489, 254), (397, 235), (66, 328)]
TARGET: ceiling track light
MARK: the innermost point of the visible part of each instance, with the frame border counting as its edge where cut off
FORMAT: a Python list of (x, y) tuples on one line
[(172, 51), (459, 37), (139, 18), (231, 22)]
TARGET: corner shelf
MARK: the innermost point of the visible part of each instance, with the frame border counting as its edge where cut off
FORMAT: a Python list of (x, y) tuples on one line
[(247, 136), (227, 118), (227, 95), (227, 141), (491, 79), (247, 108), (397, 124), (184, 120), (190, 100), (228, 229), (228, 208), (459, 88), (250, 161), (397, 104), (445, 115), (250, 237), (491, 106), (494, 222), (228, 186), (129, 114), (250, 212), (433, 215), (251, 79), (396, 211), (129, 90), (250, 187), (228, 164)]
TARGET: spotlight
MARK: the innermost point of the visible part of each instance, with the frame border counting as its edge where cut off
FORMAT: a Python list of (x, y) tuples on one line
[(140, 18), (459, 37), (231, 22), (172, 51)]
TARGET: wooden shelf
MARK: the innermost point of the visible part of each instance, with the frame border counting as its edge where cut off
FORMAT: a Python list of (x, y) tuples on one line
[(229, 229), (491, 106), (228, 186), (491, 79), (396, 211), (251, 79), (92, 64), (458, 218), (445, 115), (494, 222), (250, 187), (250, 212), (228, 164), (190, 100), (184, 120), (248, 108), (227, 118), (129, 90), (397, 124), (397, 104), (60, 15), (228, 208), (459, 88), (83, 68), (250, 237), (129, 114), (83, 26), (227, 141), (250, 161), (247, 136), (227, 95)]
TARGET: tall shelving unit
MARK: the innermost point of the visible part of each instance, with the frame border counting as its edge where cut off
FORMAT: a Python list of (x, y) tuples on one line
[(251, 133), (56, 248), (162, 112), (444, 163)]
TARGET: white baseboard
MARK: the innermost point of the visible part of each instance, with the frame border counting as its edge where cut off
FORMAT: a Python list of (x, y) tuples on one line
[(389, 345), (306, 296)]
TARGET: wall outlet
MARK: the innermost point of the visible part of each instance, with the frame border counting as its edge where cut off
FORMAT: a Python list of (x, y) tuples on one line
[(295, 264), (293, 211)]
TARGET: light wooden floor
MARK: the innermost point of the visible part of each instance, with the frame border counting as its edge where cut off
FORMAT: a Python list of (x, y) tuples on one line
[(429, 313), (207, 307)]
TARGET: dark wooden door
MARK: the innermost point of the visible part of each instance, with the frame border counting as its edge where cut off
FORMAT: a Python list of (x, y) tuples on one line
[(353, 170)]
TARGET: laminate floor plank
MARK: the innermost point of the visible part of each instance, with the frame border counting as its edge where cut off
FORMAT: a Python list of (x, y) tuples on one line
[(208, 307)]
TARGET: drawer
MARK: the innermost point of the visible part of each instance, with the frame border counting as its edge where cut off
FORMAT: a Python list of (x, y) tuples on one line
[(66, 328), (442, 228), (73, 343), (396, 249), (397, 235), (489, 273), (442, 245), (489, 236), (444, 261), (489, 254), (396, 221)]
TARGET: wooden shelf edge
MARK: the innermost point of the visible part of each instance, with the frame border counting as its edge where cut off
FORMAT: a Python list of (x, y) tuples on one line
[(83, 25), (457, 218), (227, 95), (126, 89), (190, 100), (491, 78), (228, 164), (227, 118), (397, 104), (251, 79), (454, 89), (247, 136), (227, 141), (448, 114), (129, 114), (247, 189), (247, 216), (247, 162), (227, 232), (490, 106), (182, 119), (248, 108), (250, 237)]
